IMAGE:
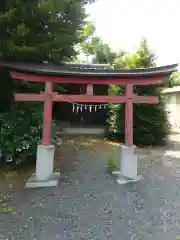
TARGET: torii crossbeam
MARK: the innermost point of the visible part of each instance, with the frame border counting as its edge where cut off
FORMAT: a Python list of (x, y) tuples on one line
[(89, 75), (48, 97)]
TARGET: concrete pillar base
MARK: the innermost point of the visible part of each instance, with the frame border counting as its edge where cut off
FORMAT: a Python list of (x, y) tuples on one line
[(124, 180), (34, 182), (44, 176), (128, 166)]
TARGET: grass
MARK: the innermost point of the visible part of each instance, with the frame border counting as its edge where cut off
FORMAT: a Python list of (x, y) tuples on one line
[(112, 163)]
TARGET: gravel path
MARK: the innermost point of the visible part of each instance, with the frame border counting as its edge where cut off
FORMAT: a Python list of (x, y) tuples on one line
[(88, 204)]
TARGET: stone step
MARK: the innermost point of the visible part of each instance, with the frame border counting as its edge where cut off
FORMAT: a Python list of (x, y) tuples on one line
[(81, 131)]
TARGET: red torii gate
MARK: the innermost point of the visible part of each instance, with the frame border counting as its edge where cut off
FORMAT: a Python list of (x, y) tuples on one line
[(49, 75)]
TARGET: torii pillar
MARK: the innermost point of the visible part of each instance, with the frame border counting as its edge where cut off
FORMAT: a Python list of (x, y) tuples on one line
[(44, 175), (128, 158), (45, 152)]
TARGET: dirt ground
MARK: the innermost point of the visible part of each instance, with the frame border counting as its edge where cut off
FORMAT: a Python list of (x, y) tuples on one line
[(88, 204)]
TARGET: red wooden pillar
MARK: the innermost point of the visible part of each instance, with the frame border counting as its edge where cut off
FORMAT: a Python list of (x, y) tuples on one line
[(47, 122), (89, 90), (129, 115)]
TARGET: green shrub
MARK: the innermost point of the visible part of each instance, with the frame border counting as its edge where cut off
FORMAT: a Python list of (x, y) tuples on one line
[(21, 131), (20, 123), (150, 124)]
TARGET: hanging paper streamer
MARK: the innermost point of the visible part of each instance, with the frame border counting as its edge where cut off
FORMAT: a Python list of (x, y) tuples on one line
[(79, 107)]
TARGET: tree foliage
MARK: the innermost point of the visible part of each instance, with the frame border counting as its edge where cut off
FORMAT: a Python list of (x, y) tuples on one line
[(104, 54), (174, 80), (93, 47), (40, 30)]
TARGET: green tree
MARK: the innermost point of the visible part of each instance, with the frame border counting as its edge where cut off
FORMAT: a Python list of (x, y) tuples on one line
[(93, 47), (174, 80), (88, 44), (103, 54), (150, 121), (40, 30)]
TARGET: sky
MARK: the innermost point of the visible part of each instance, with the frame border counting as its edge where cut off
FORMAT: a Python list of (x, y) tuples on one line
[(123, 23)]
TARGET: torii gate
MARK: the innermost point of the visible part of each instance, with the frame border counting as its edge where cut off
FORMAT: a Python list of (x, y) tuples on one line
[(90, 75)]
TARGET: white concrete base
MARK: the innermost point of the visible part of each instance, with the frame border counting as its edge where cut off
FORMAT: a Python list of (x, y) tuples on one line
[(44, 176), (128, 165), (33, 182), (124, 180), (44, 162)]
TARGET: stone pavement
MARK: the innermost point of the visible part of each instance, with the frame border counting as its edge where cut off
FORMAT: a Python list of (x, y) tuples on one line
[(88, 204)]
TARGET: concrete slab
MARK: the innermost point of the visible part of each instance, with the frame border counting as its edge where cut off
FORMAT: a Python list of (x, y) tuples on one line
[(33, 182), (120, 179)]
